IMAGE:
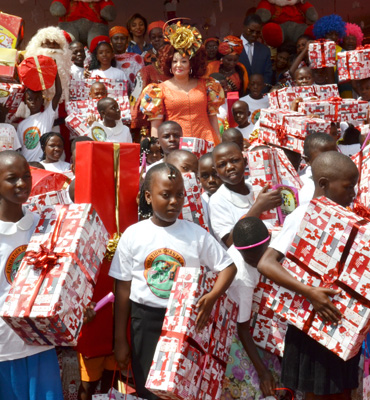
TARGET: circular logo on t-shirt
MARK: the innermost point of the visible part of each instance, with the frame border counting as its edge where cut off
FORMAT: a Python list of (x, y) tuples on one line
[(255, 116), (160, 269), (13, 262), (31, 137), (98, 134)]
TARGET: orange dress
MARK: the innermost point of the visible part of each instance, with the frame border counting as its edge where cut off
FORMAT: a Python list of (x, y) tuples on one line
[(191, 110)]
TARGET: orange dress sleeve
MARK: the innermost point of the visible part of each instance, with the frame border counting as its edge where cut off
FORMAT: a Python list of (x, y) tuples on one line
[(152, 102)]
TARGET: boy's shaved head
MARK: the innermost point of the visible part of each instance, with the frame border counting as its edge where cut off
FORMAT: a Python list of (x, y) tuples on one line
[(183, 160), (233, 135), (332, 165), (225, 145), (7, 156)]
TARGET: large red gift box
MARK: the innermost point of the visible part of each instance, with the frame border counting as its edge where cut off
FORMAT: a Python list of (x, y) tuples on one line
[(38, 72), (11, 30), (192, 209), (8, 65), (231, 98), (270, 166), (95, 183), (354, 65), (57, 275), (44, 181), (196, 145), (268, 328), (336, 109), (331, 249), (322, 54), (188, 364)]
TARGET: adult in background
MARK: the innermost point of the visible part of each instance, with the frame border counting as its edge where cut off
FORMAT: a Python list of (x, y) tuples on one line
[(211, 45), (137, 26), (130, 63), (156, 38), (229, 65), (186, 98), (256, 57)]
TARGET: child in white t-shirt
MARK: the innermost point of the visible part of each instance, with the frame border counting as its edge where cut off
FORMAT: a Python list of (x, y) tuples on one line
[(78, 58), (234, 198), (111, 128), (26, 372), (8, 134), (147, 257), (52, 144), (307, 365), (241, 115), (39, 122), (251, 239)]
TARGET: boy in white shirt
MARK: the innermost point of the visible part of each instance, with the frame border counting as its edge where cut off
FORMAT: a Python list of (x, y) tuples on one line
[(241, 115), (39, 122), (78, 58), (26, 372), (111, 128)]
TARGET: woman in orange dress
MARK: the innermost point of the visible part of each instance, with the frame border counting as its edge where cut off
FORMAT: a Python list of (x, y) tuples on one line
[(229, 65), (186, 98)]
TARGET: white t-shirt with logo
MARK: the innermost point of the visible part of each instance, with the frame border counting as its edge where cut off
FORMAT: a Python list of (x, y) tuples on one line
[(31, 129), (246, 132), (14, 238), (255, 106), (118, 134), (149, 255), (242, 288)]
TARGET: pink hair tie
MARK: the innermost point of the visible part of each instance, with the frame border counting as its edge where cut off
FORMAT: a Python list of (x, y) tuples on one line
[(253, 245)]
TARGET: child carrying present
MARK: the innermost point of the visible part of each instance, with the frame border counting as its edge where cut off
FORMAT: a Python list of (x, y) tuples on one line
[(26, 372), (144, 267)]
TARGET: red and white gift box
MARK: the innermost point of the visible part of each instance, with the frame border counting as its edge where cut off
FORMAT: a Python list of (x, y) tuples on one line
[(189, 364), (76, 123), (354, 64), (11, 95), (322, 54), (196, 145), (80, 89), (331, 249), (283, 98), (336, 109), (268, 328), (288, 129), (56, 278), (270, 166), (37, 203), (192, 209), (362, 161), (11, 30), (8, 65)]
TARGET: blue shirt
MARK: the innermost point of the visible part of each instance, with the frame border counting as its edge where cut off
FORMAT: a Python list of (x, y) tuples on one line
[(133, 47)]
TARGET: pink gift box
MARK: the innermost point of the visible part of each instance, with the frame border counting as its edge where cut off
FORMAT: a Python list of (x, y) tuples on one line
[(354, 64), (192, 209), (268, 328), (336, 109), (196, 146), (322, 54), (57, 275), (189, 364)]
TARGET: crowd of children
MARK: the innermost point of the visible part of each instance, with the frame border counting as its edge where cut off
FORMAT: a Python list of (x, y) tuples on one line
[(238, 239)]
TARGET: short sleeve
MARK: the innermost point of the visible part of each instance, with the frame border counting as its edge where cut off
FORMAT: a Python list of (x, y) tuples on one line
[(121, 267), (215, 96), (152, 102)]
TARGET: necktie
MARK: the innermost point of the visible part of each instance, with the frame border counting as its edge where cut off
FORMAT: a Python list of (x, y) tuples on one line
[(250, 53)]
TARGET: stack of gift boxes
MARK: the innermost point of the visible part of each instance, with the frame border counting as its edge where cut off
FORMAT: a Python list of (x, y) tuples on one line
[(322, 54), (188, 364), (330, 250), (57, 275), (354, 65)]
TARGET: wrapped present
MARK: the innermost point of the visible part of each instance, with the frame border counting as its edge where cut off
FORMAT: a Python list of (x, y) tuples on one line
[(336, 109), (77, 90), (76, 123), (196, 145), (37, 203), (97, 164), (11, 95), (8, 65), (324, 92), (115, 87), (322, 54), (362, 161), (189, 364), (268, 328), (231, 98), (57, 275), (288, 129), (47, 181), (344, 339), (38, 72), (354, 65), (192, 209), (270, 166), (11, 30)]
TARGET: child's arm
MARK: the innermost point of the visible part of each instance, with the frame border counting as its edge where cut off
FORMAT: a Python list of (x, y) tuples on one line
[(319, 297), (58, 92), (267, 382), (121, 316), (265, 201), (206, 303), (154, 125), (301, 56)]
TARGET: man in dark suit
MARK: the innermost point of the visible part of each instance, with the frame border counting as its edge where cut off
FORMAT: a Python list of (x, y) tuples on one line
[(256, 57)]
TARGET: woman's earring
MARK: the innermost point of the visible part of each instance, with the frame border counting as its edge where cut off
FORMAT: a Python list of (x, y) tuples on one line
[(191, 71), (171, 71)]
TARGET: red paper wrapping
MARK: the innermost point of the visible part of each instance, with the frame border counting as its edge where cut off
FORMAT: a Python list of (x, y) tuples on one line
[(196, 145), (11, 30), (354, 64), (322, 54), (8, 65), (47, 181), (38, 73), (11, 95), (231, 98), (95, 184)]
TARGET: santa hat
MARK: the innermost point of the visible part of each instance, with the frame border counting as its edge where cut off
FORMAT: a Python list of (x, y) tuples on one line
[(69, 37)]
